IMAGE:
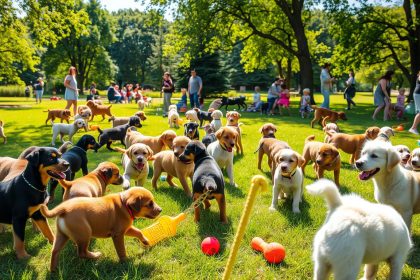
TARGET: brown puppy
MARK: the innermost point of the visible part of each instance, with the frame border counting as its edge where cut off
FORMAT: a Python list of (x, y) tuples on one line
[(99, 109), (352, 144), (93, 184), (268, 130), (156, 143), (80, 219), (168, 161), (331, 116), (116, 121), (270, 147), (324, 156), (233, 121), (59, 114), (2, 134)]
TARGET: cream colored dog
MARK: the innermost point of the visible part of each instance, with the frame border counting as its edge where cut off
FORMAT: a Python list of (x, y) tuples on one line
[(288, 178), (414, 161), (2, 135), (357, 232), (191, 115), (66, 129), (216, 122), (405, 155), (134, 161), (173, 117), (393, 184)]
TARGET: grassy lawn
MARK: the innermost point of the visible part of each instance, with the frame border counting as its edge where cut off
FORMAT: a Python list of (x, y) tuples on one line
[(181, 257)]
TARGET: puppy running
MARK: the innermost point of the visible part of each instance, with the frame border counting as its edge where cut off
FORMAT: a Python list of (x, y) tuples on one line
[(116, 133), (331, 116), (59, 114), (101, 110), (2, 134), (156, 143), (66, 129), (357, 232)]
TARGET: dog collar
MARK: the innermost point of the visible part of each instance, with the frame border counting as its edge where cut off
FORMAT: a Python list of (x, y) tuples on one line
[(79, 148), (32, 186), (200, 160), (291, 175), (383, 135), (130, 212)]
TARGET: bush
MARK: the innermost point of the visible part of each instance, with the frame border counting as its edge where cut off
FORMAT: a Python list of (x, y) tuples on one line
[(12, 91)]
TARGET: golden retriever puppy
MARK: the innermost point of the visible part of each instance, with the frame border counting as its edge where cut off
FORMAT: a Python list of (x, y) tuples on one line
[(405, 155), (394, 185), (352, 143), (324, 156), (156, 143), (233, 121), (80, 219), (288, 178), (357, 232), (100, 110), (268, 130), (192, 116), (168, 161), (415, 159), (134, 161)]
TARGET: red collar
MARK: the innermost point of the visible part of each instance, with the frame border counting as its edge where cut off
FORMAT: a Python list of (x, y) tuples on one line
[(130, 212)]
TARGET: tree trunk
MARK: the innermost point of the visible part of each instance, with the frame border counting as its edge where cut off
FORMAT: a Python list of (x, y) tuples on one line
[(280, 68), (289, 72)]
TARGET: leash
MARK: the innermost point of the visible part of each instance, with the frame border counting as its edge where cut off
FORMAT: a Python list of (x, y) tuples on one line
[(197, 202), (32, 186)]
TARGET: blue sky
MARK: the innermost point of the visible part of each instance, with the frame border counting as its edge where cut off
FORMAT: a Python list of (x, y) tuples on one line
[(115, 5)]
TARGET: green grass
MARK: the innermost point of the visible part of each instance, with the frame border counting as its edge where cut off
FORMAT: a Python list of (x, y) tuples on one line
[(180, 257)]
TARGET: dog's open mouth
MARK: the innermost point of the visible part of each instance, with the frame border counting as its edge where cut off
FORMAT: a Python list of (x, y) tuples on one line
[(366, 175), (56, 174), (140, 165)]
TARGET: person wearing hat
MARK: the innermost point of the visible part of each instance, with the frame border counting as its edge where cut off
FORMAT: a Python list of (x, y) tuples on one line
[(39, 89), (326, 85), (72, 92), (167, 89)]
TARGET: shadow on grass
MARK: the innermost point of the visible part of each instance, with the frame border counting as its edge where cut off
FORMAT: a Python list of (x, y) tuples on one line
[(177, 194), (294, 219), (414, 257)]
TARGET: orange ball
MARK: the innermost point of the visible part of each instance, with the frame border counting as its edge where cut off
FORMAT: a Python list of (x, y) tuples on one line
[(400, 128), (274, 253)]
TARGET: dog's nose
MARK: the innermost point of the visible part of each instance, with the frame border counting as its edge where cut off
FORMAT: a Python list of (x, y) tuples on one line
[(283, 168), (232, 144), (140, 159), (414, 162), (359, 164), (318, 161), (158, 209)]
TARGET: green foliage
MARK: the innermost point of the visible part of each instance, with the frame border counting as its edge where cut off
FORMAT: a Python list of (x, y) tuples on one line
[(12, 91)]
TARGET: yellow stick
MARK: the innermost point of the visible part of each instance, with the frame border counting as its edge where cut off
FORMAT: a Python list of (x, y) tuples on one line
[(258, 182)]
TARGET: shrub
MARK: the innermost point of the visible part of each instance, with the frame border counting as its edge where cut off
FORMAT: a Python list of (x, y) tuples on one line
[(12, 91)]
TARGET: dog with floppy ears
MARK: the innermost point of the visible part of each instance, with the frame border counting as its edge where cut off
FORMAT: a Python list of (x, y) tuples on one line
[(357, 232), (207, 178), (233, 121), (156, 143), (22, 196), (393, 184), (116, 133), (101, 110), (67, 129), (82, 218)]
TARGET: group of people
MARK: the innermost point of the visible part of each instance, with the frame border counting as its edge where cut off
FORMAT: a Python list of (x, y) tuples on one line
[(126, 94)]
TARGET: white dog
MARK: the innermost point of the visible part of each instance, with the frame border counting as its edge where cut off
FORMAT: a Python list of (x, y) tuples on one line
[(414, 161), (216, 122), (173, 117), (385, 134), (357, 232), (394, 185), (66, 129), (85, 114), (134, 161), (191, 115), (288, 178), (405, 155), (222, 150)]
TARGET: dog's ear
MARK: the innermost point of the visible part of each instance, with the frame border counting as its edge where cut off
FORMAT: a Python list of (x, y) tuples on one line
[(239, 115), (228, 114), (334, 151), (300, 160), (135, 202), (150, 152), (262, 129), (107, 172), (34, 157), (219, 133), (393, 159), (185, 125), (129, 151)]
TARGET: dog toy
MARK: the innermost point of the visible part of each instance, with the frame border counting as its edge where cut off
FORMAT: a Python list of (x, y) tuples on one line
[(94, 127), (273, 252), (399, 127), (258, 183), (164, 227), (163, 178), (210, 246)]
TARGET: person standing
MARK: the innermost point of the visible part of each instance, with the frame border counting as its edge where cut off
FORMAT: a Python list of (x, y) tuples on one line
[(326, 85), (416, 96), (39, 90), (168, 89), (195, 86), (382, 95), (72, 92), (273, 94), (350, 90)]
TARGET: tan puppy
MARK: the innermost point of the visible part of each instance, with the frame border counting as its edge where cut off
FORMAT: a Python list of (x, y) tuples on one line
[(415, 159), (332, 116), (233, 121), (2, 135), (99, 109), (80, 219), (134, 161), (156, 143), (324, 156), (352, 144), (116, 121), (82, 108), (268, 130), (94, 184), (59, 114), (191, 115), (405, 155), (270, 147), (168, 161)]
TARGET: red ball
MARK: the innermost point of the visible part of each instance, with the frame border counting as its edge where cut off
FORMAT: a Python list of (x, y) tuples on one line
[(210, 246), (274, 253)]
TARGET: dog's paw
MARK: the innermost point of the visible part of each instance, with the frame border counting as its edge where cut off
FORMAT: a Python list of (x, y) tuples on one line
[(145, 241), (272, 209), (126, 184)]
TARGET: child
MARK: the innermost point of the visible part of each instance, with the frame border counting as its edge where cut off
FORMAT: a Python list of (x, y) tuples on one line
[(399, 107), (283, 100), (256, 104), (182, 104), (305, 103)]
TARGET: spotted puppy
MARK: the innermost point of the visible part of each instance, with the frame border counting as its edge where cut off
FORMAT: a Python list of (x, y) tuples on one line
[(66, 129), (2, 135), (191, 131)]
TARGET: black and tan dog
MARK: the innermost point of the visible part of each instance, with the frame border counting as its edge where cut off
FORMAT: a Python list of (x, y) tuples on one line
[(22, 196), (77, 159), (239, 101), (204, 116), (207, 177), (116, 133), (191, 131)]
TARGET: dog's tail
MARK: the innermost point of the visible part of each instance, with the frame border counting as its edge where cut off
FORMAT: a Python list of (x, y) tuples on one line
[(1, 123), (109, 106), (65, 184), (63, 148), (112, 118), (208, 183), (330, 132), (100, 130), (46, 111), (328, 190), (53, 212), (309, 138), (94, 127), (259, 147), (324, 121), (122, 151), (239, 124)]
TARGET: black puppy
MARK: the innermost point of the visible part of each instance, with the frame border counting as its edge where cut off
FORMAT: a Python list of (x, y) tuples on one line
[(210, 136), (116, 133), (264, 108), (239, 101), (77, 159), (191, 131), (203, 116), (207, 177), (22, 196)]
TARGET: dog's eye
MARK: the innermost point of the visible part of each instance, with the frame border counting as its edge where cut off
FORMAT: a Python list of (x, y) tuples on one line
[(291, 160), (150, 204), (374, 156), (135, 153)]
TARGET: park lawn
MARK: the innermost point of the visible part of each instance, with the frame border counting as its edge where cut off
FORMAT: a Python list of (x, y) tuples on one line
[(180, 257)]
